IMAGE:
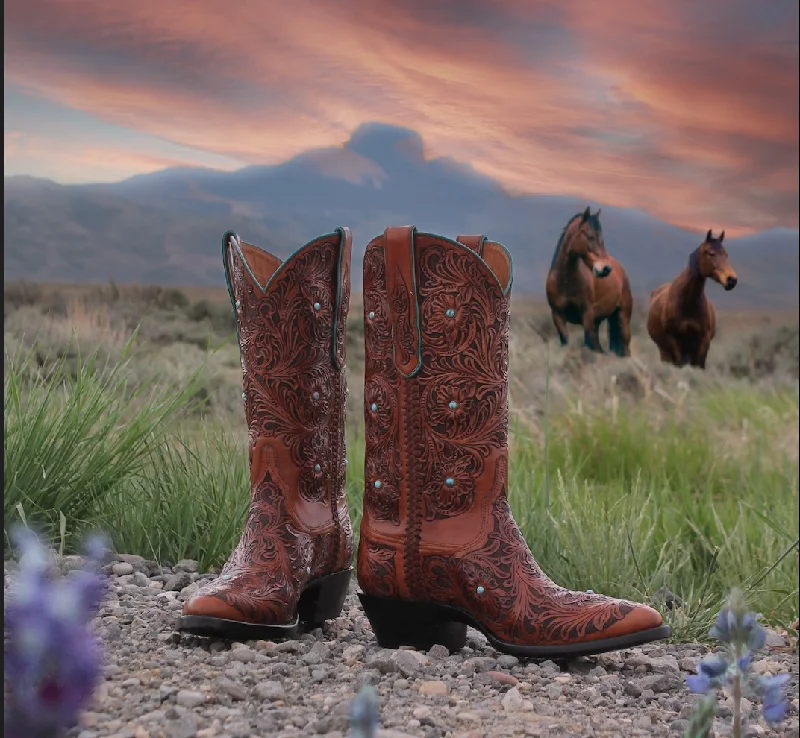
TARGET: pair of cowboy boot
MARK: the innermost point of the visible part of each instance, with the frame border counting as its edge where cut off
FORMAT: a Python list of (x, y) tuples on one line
[(439, 549)]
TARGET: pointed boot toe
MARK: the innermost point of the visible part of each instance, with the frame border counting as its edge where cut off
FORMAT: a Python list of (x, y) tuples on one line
[(209, 606), (642, 619)]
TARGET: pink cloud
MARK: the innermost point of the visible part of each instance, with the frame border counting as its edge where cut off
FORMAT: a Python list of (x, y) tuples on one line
[(687, 113)]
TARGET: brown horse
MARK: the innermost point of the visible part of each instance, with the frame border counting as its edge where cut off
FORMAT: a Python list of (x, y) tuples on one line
[(586, 286), (681, 320)]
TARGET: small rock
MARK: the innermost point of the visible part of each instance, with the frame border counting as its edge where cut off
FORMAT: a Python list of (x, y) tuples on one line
[(660, 682), (437, 651), (270, 691), (121, 569), (233, 690), (512, 700), (352, 654), (140, 579), (774, 639), (407, 662), (482, 663), (503, 678), (433, 688), (665, 664), (242, 655), (632, 689), (176, 582), (316, 654), (423, 712), (189, 698)]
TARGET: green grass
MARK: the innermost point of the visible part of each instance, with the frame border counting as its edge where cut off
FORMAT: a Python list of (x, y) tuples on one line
[(623, 501)]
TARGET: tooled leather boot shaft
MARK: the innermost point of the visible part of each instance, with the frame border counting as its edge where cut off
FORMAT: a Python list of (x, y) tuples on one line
[(291, 320), (437, 526), (436, 406)]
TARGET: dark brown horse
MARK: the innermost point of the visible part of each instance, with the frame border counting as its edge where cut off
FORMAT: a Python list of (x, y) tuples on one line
[(586, 286), (681, 320)]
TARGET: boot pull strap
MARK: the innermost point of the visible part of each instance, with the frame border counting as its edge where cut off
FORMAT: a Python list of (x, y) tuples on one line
[(342, 297), (473, 242), (401, 286)]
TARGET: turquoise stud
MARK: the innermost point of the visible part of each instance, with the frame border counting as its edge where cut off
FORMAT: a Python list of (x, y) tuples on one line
[(449, 481), (373, 407), (480, 590), (316, 306), (315, 396), (371, 315), (238, 303), (226, 576), (452, 404), (377, 484), (244, 395), (317, 468), (308, 571), (450, 312), (589, 591)]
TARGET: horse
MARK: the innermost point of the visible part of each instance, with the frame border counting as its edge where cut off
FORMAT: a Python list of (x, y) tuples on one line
[(681, 320), (586, 286)]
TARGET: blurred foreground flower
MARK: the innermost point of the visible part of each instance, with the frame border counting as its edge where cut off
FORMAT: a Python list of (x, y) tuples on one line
[(742, 635), (52, 659), (364, 713)]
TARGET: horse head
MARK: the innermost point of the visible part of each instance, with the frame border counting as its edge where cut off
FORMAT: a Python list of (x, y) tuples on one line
[(712, 261), (585, 241)]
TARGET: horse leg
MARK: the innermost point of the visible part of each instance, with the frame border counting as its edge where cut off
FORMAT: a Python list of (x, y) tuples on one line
[(591, 337), (561, 326), (672, 349), (699, 358), (619, 334)]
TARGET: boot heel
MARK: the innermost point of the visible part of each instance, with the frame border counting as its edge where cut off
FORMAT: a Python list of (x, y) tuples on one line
[(398, 623), (324, 599)]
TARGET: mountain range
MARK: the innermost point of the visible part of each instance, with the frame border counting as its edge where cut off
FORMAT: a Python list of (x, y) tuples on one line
[(165, 227)]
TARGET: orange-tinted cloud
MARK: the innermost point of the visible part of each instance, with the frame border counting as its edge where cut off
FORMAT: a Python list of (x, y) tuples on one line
[(83, 162), (687, 110)]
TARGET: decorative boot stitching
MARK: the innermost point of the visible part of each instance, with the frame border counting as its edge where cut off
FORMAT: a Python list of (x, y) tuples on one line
[(416, 482)]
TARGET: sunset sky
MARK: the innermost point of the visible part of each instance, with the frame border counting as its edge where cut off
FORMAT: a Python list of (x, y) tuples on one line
[(687, 109)]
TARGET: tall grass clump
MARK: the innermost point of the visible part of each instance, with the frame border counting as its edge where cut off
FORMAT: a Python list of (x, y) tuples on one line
[(189, 502), (680, 506), (74, 435)]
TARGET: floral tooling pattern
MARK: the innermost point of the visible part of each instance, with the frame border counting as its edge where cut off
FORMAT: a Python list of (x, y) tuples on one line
[(294, 395), (447, 430)]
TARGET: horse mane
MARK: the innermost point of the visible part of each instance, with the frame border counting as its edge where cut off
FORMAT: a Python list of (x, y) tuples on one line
[(694, 261), (561, 240), (594, 221)]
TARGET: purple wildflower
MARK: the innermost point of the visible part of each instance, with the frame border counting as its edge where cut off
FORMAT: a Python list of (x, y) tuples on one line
[(774, 704), (709, 674), (364, 713), (52, 660), (742, 635)]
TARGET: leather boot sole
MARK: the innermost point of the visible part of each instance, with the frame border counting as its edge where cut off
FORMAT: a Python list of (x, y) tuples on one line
[(398, 623), (321, 600)]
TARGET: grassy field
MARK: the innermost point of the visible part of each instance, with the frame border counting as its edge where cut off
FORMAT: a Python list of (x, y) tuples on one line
[(123, 413)]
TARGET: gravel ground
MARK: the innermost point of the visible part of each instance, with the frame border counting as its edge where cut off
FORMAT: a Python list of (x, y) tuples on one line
[(160, 684)]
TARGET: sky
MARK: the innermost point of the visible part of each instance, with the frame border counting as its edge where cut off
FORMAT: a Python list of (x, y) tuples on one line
[(686, 109)]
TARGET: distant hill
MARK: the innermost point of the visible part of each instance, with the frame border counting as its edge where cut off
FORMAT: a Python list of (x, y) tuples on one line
[(165, 227)]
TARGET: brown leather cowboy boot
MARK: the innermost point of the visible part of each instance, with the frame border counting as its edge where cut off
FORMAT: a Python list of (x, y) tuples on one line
[(292, 564), (439, 548)]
